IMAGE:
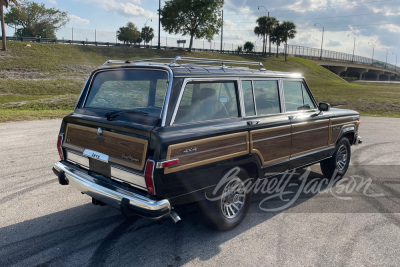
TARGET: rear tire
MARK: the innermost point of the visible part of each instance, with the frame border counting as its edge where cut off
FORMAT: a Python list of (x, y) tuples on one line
[(227, 208), (338, 164)]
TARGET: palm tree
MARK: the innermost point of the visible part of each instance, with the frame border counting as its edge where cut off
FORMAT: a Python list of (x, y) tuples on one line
[(3, 29), (277, 36), (271, 23), (261, 30), (147, 34), (288, 32)]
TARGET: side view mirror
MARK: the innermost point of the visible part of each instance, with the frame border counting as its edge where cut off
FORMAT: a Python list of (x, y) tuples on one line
[(324, 107)]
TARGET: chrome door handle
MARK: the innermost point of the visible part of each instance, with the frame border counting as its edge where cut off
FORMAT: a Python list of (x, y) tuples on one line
[(252, 122)]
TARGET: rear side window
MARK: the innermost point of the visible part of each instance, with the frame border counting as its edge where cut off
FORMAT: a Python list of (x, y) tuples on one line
[(203, 101), (296, 96), (267, 97)]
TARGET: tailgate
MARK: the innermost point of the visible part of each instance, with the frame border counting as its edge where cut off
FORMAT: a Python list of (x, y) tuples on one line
[(110, 154)]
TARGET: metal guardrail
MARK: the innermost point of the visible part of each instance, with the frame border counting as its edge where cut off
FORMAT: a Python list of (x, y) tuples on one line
[(297, 51)]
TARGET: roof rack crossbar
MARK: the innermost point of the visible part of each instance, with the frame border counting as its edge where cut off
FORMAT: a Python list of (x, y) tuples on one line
[(193, 60)]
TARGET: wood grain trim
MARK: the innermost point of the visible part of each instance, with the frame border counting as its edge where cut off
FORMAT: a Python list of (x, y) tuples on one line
[(113, 158), (215, 153), (309, 126), (269, 130)]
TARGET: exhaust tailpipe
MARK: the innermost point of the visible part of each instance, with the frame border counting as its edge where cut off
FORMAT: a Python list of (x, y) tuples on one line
[(174, 216)]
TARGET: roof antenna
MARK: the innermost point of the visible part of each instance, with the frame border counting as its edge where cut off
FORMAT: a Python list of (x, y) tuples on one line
[(261, 66)]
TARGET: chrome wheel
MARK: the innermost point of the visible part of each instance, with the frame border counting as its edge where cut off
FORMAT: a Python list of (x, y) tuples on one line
[(341, 157), (233, 198)]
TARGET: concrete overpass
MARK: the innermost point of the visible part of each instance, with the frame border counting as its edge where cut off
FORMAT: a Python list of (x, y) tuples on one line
[(358, 70)]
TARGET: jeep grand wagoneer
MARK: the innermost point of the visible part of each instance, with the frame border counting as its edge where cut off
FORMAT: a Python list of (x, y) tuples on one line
[(151, 134)]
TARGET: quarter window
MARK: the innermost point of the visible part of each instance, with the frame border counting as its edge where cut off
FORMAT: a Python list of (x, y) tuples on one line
[(202, 101), (296, 96)]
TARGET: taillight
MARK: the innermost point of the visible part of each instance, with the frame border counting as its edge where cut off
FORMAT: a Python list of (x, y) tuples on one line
[(59, 148), (148, 176), (171, 162)]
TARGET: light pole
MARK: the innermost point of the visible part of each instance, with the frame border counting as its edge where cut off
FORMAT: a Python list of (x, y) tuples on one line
[(395, 65), (159, 23), (322, 39), (387, 51), (145, 32), (354, 46), (373, 50), (268, 33)]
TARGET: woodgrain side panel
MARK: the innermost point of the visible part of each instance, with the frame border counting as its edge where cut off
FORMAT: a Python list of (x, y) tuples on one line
[(208, 150), (309, 136), (124, 150), (271, 144)]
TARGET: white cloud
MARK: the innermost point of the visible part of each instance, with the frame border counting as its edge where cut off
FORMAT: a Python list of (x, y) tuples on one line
[(78, 20), (391, 28), (53, 2), (126, 8)]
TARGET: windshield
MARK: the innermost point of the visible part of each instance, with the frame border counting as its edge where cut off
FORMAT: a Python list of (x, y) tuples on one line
[(129, 89)]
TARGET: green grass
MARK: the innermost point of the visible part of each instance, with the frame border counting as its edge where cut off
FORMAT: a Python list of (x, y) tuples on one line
[(44, 80)]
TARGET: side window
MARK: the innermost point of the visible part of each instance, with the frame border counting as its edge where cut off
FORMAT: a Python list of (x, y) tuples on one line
[(202, 101), (296, 96), (248, 98), (267, 97)]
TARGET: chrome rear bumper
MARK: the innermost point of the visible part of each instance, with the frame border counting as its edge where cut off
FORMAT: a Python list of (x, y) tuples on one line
[(110, 192)]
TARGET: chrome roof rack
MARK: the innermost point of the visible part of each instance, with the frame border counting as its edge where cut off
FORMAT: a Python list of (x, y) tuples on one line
[(192, 60)]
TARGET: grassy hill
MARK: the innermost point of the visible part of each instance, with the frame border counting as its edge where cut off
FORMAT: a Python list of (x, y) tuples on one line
[(44, 80)]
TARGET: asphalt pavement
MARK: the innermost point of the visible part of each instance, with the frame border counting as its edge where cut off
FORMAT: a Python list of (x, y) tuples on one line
[(44, 223)]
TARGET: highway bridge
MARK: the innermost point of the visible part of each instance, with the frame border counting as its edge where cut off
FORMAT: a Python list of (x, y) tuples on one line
[(348, 65), (360, 71)]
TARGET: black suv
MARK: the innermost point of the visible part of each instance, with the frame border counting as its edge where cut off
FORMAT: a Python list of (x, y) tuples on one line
[(151, 134)]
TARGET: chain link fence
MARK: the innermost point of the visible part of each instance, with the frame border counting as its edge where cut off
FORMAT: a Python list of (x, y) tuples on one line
[(109, 38)]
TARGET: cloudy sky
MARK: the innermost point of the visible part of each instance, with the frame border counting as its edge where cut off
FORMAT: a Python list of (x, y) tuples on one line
[(374, 23)]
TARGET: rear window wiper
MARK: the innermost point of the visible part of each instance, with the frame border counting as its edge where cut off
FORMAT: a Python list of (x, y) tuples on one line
[(114, 114)]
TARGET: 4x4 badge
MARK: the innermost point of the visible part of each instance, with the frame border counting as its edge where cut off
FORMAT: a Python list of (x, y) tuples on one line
[(99, 131), (188, 150)]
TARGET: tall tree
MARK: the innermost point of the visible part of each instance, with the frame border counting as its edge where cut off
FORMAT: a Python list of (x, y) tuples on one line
[(277, 36), (271, 24), (288, 32), (197, 18), (264, 28), (248, 47), (261, 30), (3, 28), (35, 20), (147, 34), (129, 34)]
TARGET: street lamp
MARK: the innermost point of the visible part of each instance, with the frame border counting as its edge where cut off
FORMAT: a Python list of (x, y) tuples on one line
[(264, 8), (373, 50), (387, 51), (395, 65), (322, 40), (352, 59)]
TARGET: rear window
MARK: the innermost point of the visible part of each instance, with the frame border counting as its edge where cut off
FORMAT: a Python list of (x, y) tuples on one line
[(142, 90), (203, 101)]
